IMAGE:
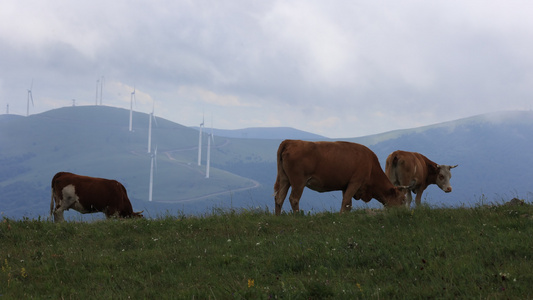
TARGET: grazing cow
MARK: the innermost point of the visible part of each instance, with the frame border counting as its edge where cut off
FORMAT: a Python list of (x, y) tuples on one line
[(331, 166), (417, 171), (89, 195)]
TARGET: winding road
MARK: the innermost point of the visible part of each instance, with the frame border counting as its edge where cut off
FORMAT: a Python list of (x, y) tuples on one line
[(168, 153)]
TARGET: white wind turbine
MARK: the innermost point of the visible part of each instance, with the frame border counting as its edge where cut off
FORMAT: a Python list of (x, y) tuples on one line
[(153, 161), (102, 89), (150, 127), (96, 99), (211, 137), (200, 143), (30, 97), (132, 98)]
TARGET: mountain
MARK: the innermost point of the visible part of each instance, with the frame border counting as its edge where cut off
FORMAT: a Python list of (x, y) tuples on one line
[(493, 153), (273, 133), (95, 141), (492, 150)]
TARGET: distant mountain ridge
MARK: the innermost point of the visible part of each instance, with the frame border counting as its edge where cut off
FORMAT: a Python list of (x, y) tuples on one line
[(271, 133), (492, 150)]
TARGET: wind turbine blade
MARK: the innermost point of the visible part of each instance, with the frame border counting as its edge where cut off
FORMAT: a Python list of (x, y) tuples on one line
[(153, 115), (31, 97)]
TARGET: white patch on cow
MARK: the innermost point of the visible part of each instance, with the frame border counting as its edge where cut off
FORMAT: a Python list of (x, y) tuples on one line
[(70, 199), (69, 192)]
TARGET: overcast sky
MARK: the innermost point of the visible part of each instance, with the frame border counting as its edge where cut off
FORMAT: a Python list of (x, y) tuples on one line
[(335, 68)]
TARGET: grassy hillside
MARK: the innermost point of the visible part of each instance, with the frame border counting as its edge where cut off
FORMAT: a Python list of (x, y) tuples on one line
[(468, 253)]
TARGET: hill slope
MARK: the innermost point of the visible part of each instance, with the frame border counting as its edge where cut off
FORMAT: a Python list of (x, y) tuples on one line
[(95, 141)]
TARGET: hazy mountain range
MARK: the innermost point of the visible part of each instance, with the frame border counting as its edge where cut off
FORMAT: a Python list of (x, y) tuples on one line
[(493, 152)]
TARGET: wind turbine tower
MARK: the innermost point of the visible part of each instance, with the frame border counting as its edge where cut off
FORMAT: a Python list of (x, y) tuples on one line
[(96, 99), (209, 139), (150, 127), (131, 108), (153, 161), (200, 143), (101, 89), (30, 97)]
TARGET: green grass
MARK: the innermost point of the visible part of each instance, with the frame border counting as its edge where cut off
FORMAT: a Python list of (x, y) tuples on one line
[(482, 253)]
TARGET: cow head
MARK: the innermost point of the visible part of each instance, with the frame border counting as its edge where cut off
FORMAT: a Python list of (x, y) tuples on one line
[(443, 177), (398, 196), (137, 214)]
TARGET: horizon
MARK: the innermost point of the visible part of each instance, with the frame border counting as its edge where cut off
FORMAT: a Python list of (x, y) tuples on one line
[(494, 114)]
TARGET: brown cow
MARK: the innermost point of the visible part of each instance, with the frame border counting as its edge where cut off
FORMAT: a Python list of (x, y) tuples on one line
[(89, 195), (417, 171), (331, 166)]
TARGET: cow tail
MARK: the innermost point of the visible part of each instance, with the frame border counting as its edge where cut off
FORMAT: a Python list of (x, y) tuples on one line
[(52, 196), (281, 172), (391, 167)]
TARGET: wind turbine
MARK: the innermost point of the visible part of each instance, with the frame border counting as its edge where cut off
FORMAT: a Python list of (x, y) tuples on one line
[(96, 99), (30, 97), (211, 137), (153, 161), (101, 89), (150, 127), (200, 143), (131, 107)]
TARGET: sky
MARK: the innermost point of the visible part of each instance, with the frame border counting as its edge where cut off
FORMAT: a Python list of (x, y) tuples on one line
[(336, 68)]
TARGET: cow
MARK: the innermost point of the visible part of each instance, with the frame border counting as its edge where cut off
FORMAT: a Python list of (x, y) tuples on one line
[(331, 166), (89, 195), (417, 171)]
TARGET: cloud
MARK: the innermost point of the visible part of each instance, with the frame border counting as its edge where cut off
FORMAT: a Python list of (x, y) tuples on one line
[(337, 68)]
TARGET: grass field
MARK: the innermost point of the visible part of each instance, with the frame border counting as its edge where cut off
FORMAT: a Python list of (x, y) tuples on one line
[(469, 253)]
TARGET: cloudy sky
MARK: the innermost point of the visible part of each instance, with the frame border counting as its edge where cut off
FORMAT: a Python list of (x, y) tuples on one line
[(335, 68)]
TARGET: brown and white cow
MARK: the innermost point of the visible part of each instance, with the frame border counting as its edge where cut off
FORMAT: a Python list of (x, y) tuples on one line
[(89, 195), (331, 166), (418, 172)]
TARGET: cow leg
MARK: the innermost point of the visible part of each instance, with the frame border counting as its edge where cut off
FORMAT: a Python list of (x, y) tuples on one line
[(347, 196), (58, 214), (418, 198), (280, 195), (408, 199), (294, 197), (346, 201)]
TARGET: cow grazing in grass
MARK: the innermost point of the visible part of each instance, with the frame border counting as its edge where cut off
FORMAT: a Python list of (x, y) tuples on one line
[(331, 166), (417, 171), (89, 195)]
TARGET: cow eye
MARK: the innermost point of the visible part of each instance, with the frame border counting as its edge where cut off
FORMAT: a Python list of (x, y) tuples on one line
[(441, 177)]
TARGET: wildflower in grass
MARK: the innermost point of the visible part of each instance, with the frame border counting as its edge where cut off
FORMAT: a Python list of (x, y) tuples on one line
[(250, 283), (7, 269), (23, 272), (359, 287)]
